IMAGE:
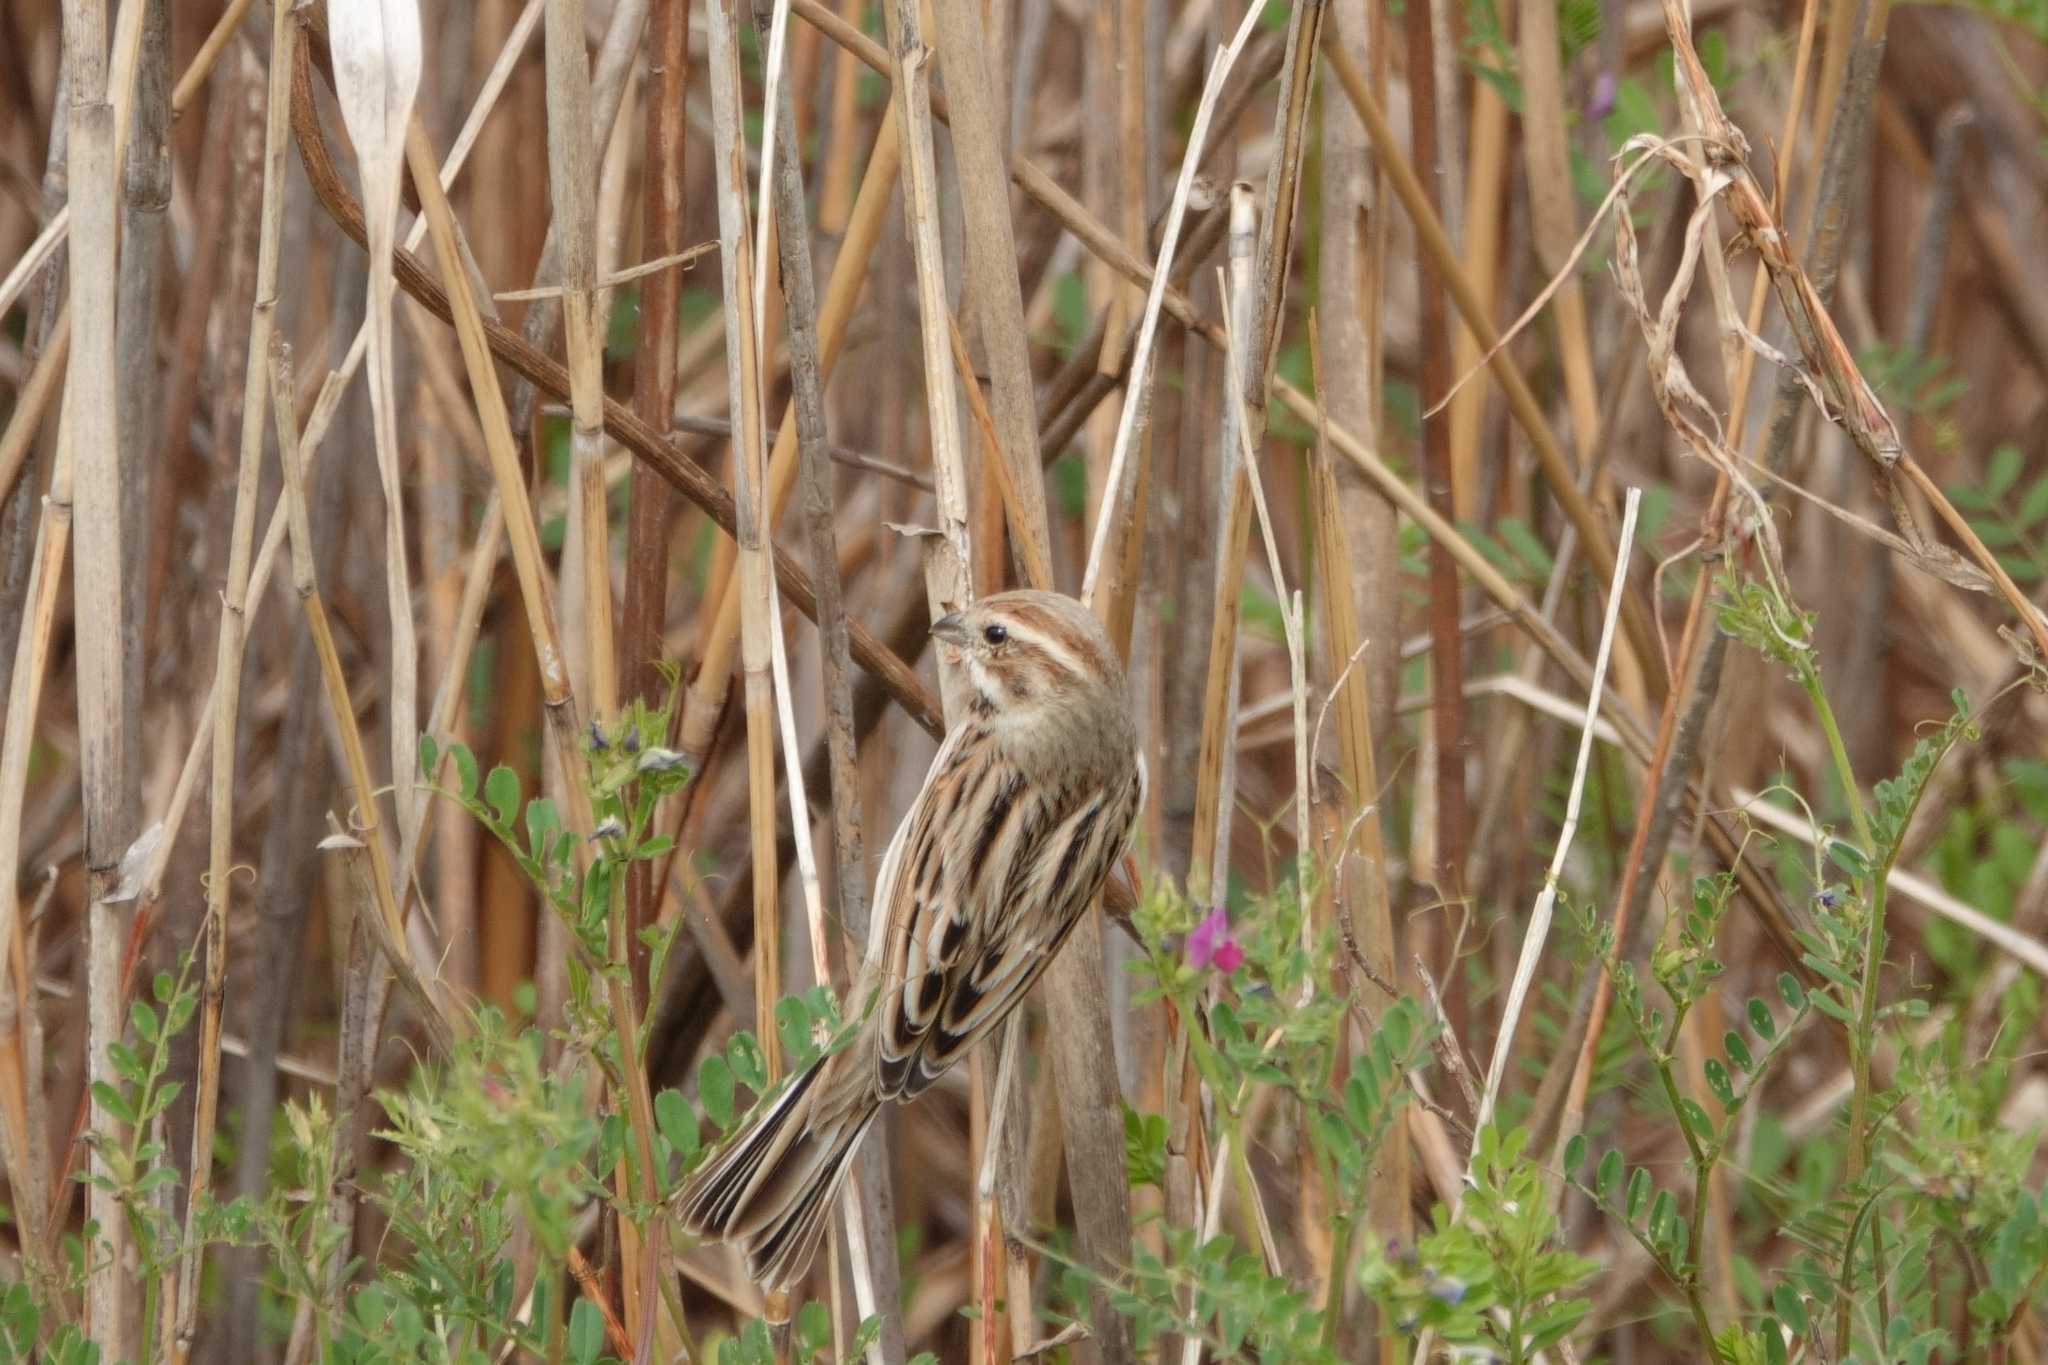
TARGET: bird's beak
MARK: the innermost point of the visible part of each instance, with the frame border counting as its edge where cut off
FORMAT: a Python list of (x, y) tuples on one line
[(950, 628)]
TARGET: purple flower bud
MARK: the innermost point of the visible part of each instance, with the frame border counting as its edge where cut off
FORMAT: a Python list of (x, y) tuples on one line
[(597, 741), (1210, 944), (1601, 102)]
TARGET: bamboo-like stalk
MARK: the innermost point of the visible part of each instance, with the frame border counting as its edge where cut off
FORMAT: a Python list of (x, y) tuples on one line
[(751, 530), (1354, 846), (91, 395), (911, 97), (227, 692), (870, 1201)]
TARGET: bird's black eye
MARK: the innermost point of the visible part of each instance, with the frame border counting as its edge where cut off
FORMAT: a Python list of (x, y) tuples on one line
[(995, 635)]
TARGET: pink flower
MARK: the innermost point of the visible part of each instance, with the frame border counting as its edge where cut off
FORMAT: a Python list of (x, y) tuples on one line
[(1210, 944)]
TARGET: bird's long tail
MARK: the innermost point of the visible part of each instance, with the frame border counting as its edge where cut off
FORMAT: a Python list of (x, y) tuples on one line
[(771, 1187)]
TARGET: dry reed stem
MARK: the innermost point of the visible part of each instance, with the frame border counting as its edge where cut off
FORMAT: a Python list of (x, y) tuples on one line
[(719, 609), (563, 733), (663, 208), (1349, 838), (227, 692), (752, 531), (869, 1199), (376, 56), (548, 375), (1115, 499), (1522, 402), (364, 836), (90, 417), (1537, 934), (31, 654)]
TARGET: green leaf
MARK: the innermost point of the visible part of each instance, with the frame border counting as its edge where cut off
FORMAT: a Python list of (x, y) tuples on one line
[(715, 1088), (430, 755), (541, 824), (465, 770), (1792, 992), (501, 790), (748, 1063), (1638, 1194), (677, 1121), (113, 1101), (2034, 506), (813, 1329), (1790, 1308), (1719, 1081), (1609, 1174), (1737, 1050), (1848, 857), (1575, 1152), (586, 1332), (1760, 1020), (2004, 470)]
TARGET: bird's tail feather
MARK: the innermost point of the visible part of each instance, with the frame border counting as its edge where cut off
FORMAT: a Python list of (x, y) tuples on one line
[(772, 1186)]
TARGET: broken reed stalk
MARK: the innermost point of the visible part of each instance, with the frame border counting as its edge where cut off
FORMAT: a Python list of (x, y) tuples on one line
[(228, 659)]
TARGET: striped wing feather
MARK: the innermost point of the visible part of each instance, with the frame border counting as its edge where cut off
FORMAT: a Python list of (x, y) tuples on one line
[(992, 875)]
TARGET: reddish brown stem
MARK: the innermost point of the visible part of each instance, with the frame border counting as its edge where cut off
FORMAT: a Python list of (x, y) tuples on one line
[(654, 388), (1446, 667)]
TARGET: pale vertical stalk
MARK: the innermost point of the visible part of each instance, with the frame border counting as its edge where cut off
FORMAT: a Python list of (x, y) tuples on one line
[(1114, 509), (1535, 938), (90, 417), (751, 530), (585, 575), (912, 98), (376, 50), (992, 295), (1209, 862), (572, 189), (869, 1199), (227, 693), (1353, 842)]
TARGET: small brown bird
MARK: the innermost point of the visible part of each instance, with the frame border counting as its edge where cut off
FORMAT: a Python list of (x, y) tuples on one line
[(1026, 808)]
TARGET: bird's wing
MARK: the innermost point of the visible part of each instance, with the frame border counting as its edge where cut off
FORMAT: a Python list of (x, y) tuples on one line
[(977, 931)]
